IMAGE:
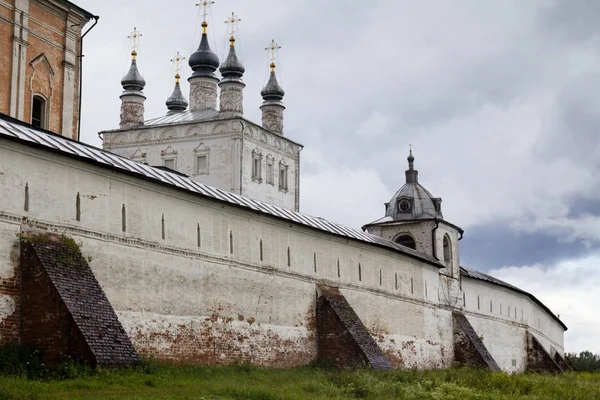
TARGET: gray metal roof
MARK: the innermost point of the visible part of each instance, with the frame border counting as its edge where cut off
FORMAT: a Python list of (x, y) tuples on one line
[(471, 273), (17, 130), (183, 117)]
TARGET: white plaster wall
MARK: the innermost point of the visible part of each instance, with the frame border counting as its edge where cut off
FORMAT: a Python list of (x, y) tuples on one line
[(156, 283), (167, 290), (501, 323)]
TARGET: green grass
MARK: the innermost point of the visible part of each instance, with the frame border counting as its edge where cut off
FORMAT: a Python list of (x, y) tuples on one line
[(159, 381)]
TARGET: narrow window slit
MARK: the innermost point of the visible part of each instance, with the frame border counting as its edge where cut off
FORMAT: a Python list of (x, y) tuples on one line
[(162, 222), (478, 304), (491, 308), (380, 278), (26, 205), (396, 280), (289, 257), (230, 242), (261, 250), (359, 272), (425, 289), (78, 207), (338, 267), (412, 288), (198, 236), (123, 219), (315, 261), (464, 299)]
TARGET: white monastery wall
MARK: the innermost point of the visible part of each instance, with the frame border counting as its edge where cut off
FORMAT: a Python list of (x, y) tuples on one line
[(501, 316), (182, 298), (195, 279)]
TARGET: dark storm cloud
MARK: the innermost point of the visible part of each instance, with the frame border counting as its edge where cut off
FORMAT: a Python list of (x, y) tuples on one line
[(493, 247)]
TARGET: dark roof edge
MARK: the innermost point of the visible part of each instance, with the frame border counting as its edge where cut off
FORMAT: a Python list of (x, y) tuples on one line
[(408, 221), (86, 13), (393, 246), (495, 281)]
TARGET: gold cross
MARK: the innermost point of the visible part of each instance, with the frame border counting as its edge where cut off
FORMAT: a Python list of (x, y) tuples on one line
[(274, 50), (177, 63), (205, 6), (133, 37), (232, 23)]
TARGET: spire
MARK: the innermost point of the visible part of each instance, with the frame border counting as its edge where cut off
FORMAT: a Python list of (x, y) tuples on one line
[(177, 102), (132, 98), (133, 80), (232, 68), (272, 92), (412, 175), (204, 62)]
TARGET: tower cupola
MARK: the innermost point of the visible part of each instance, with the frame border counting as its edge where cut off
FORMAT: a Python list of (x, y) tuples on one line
[(232, 70), (176, 102), (132, 98), (204, 62), (272, 94)]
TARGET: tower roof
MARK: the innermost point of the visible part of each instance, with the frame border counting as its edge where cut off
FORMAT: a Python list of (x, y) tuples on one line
[(204, 62), (272, 91), (232, 68), (133, 80), (412, 201), (176, 102)]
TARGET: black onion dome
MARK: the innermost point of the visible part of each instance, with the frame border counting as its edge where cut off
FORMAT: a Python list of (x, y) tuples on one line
[(204, 62), (177, 102), (232, 67), (133, 80), (272, 91)]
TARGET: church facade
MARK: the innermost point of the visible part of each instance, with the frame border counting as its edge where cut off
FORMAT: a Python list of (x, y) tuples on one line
[(190, 248), (40, 47)]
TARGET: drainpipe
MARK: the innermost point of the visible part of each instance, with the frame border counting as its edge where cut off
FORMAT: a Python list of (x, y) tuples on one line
[(96, 18), (437, 224)]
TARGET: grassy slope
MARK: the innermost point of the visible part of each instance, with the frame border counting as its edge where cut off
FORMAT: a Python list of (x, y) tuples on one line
[(241, 382)]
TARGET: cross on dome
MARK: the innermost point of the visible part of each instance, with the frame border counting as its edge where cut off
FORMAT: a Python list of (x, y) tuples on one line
[(232, 24), (177, 64), (205, 10), (273, 49), (133, 38)]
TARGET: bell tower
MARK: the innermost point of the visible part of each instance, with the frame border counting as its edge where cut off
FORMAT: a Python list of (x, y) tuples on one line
[(413, 218)]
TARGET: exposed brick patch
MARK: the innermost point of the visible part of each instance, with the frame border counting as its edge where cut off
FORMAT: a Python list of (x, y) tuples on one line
[(65, 311), (468, 347), (9, 326), (538, 359), (342, 337)]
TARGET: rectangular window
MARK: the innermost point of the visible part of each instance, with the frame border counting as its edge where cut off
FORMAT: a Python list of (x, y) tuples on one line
[(256, 168), (202, 165), (283, 178), (170, 163), (270, 173)]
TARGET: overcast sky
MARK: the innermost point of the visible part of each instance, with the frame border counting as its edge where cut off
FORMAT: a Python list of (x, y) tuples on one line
[(499, 98)]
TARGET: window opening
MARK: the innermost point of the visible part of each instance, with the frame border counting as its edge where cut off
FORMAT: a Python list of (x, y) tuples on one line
[(38, 112), (406, 240)]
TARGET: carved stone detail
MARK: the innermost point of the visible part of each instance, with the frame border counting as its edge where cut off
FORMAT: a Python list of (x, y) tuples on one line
[(203, 94), (272, 118), (232, 100), (132, 111)]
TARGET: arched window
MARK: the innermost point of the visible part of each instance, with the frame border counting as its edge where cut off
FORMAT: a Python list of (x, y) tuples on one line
[(447, 251), (406, 240), (38, 111)]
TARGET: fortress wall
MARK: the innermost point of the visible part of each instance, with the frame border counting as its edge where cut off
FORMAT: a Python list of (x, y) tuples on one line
[(501, 329), (217, 300)]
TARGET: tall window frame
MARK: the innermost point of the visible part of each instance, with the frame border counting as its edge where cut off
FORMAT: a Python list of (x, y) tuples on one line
[(283, 176), (39, 111), (257, 166)]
